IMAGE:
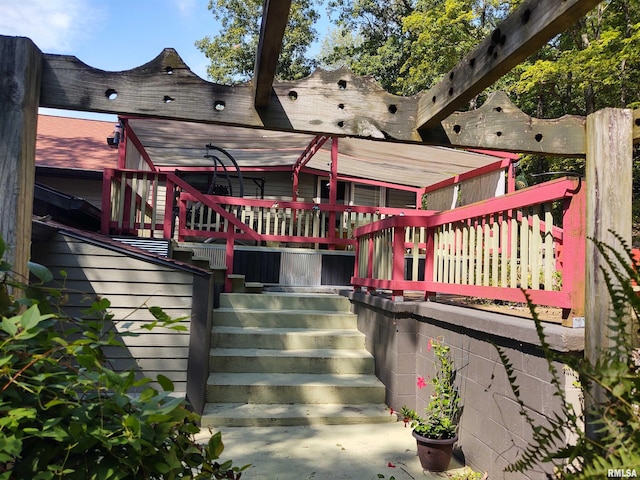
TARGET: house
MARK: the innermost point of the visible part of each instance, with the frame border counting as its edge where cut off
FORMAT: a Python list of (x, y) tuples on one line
[(494, 248)]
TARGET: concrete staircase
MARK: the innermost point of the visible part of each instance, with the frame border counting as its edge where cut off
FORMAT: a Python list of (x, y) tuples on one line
[(290, 359)]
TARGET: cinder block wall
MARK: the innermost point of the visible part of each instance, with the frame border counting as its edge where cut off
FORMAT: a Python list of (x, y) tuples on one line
[(492, 430)]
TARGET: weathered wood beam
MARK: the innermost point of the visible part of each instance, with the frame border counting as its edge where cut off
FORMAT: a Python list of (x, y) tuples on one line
[(20, 73), (275, 14), (325, 103), (521, 34), (498, 123), (333, 103)]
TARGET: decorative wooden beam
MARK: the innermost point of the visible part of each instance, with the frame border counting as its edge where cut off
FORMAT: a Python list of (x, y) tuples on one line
[(521, 34), (334, 103), (499, 124), (275, 14)]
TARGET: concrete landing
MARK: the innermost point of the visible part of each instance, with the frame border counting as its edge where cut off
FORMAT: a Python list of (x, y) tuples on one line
[(326, 452)]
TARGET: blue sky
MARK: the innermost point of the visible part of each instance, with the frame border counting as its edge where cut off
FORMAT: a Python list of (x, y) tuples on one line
[(112, 35)]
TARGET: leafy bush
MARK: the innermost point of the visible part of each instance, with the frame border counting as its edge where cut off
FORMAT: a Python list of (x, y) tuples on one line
[(612, 441), (65, 414)]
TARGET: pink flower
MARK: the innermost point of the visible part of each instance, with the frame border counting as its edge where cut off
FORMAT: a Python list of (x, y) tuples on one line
[(421, 383), (391, 411), (429, 345), (391, 465)]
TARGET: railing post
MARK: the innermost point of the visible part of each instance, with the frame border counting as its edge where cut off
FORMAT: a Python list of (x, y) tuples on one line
[(574, 254), (105, 219), (397, 273), (229, 257), (356, 264), (169, 205), (429, 260), (371, 244)]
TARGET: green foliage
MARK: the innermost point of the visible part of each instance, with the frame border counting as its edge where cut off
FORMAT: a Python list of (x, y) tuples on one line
[(443, 411), (65, 414), (232, 52), (612, 437), (371, 39)]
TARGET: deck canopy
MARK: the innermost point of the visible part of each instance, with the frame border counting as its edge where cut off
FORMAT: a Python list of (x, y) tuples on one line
[(174, 144)]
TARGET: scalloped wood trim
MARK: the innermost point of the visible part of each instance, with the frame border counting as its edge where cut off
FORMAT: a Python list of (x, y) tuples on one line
[(500, 125), (336, 102), (636, 126)]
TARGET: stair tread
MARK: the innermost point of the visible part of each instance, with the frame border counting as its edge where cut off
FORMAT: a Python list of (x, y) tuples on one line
[(256, 415), (286, 331), (311, 352), (353, 380), (288, 410), (288, 311)]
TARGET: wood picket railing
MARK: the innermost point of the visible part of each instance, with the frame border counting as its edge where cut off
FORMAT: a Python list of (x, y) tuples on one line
[(531, 240), (162, 205)]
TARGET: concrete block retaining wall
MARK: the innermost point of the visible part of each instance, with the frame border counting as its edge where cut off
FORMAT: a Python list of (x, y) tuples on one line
[(492, 430)]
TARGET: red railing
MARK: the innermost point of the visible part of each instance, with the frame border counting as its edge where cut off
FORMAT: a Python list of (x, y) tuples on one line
[(493, 249), (146, 204)]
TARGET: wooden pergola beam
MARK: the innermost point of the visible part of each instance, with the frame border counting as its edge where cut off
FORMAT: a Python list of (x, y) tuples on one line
[(498, 122), (325, 103), (521, 34), (275, 14)]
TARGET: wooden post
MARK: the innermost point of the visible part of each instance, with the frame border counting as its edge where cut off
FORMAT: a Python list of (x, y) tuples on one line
[(609, 178), (20, 78)]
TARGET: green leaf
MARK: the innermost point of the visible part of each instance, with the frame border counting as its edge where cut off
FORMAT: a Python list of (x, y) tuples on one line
[(10, 325), (215, 446), (32, 318), (165, 383), (40, 271)]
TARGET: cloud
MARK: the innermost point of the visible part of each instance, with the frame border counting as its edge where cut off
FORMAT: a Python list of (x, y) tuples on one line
[(54, 25), (186, 7)]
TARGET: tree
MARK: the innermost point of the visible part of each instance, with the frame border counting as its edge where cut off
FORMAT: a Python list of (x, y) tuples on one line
[(593, 65), (373, 41), (232, 52)]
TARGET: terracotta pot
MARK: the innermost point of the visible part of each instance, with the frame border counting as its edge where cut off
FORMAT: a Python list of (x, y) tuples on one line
[(434, 455)]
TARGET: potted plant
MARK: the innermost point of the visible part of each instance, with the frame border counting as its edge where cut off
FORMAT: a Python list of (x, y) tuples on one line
[(436, 431)]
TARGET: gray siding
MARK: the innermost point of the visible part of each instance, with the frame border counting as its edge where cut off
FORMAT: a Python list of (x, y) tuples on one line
[(130, 284)]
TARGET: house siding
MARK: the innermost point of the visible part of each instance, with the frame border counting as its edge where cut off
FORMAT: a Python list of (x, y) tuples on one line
[(89, 271), (89, 190)]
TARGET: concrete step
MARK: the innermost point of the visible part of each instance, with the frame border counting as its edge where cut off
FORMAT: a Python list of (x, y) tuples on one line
[(294, 388), (317, 361), (260, 415), (290, 359), (255, 317), (285, 338), (285, 301)]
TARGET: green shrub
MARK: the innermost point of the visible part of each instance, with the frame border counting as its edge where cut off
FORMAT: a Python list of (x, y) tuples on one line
[(65, 414), (612, 441)]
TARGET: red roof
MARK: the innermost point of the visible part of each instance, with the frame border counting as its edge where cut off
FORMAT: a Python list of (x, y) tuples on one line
[(74, 143)]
